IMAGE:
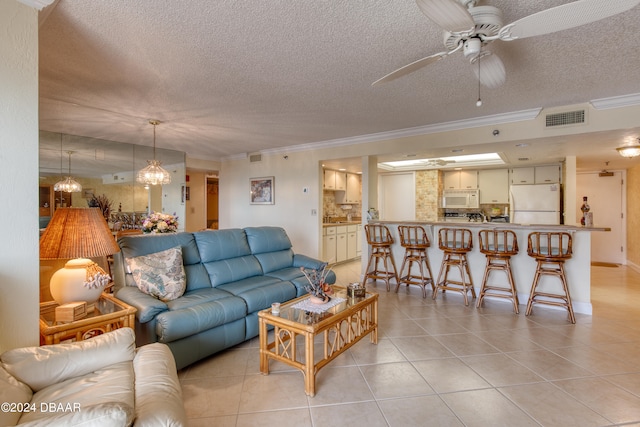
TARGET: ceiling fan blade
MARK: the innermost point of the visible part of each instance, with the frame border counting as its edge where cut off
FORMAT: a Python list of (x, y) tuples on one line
[(491, 73), (450, 15), (410, 68), (563, 17)]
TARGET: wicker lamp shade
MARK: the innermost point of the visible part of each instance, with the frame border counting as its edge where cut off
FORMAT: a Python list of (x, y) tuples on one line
[(77, 233)]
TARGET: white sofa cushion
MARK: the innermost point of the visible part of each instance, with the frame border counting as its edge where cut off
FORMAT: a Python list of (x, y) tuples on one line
[(110, 414), (14, 393), (39, 367)]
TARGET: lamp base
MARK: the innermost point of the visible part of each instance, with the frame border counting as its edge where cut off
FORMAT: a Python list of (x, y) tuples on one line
[(68, 284)]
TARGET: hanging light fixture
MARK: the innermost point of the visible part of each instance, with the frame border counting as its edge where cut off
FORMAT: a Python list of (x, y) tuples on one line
[(68, 184), (154, 173), (630, 150)]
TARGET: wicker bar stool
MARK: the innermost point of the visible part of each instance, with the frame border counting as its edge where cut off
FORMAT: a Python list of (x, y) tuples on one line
[(455, 243), (415, 241), (498, 246), (380, 240), (550, 250)]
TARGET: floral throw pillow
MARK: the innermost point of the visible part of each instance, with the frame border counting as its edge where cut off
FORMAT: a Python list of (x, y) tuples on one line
[(160, 274)]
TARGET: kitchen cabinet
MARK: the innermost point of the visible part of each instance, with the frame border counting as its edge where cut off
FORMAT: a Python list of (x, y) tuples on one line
[(523, 175), (352, 241), (329, 244), (547, 174), (536, 175), (359, 240), (353, 192), (461, 180), (341, 243), (334, 180), (494, 186)]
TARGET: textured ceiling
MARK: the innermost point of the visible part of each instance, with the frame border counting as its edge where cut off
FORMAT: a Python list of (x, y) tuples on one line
[(233, 76)]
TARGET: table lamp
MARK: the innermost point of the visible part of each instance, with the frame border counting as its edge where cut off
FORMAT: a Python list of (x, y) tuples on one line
[(77, 233)]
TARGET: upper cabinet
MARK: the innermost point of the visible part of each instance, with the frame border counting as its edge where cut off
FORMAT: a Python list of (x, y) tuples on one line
[(494, 186), (457, 180), (353, 192), (335, 180), (536, 175), (547, 174)]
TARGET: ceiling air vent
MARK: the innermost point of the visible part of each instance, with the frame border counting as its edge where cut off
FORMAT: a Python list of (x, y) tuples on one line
[(566, 118), (253, 158)]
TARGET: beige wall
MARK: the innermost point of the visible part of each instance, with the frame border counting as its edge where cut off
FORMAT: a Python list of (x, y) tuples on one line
[(633, 220), (19, 310), (196, 209)]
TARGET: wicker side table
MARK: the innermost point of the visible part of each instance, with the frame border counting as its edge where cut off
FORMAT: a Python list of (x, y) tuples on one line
[(109, 314)]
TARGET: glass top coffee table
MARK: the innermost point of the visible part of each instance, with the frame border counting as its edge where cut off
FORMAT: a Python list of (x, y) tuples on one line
[(340, 326)]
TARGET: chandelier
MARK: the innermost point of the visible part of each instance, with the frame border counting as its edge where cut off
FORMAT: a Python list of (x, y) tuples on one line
[(630, 150), (154, 173), (68, 184)]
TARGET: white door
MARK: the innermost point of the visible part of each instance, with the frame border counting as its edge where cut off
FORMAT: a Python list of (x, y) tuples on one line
[(397, 196), (605, 197)]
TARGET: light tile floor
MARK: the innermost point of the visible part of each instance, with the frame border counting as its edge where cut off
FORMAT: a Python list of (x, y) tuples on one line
[(443, 364)]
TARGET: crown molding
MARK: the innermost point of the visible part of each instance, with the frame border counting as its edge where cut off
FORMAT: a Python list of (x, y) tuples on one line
[(616, 102), (496, 119)]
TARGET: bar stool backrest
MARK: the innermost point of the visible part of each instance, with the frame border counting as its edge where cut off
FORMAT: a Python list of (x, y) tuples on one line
[(455, 239), (413, 236), (378, 235), (498, 242), (553, 246)]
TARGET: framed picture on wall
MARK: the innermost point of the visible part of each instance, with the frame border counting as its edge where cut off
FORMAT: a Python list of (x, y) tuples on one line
[(262, 190)]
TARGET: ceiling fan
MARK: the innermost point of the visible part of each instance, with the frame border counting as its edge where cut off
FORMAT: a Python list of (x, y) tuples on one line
[(469, 28)]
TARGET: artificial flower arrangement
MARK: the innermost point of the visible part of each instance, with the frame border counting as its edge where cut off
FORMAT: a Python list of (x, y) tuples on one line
[(318, 288), (159, 222)]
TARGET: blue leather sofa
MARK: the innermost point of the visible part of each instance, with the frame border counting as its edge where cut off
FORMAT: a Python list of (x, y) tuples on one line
[(230, 276)]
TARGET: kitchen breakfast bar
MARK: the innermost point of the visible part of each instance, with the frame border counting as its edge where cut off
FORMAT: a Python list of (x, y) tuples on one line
[(578, 268)]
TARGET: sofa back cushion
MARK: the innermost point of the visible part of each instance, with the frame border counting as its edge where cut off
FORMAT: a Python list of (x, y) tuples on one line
[(226, 255), (137, 245), (271, 246), (40, 367)]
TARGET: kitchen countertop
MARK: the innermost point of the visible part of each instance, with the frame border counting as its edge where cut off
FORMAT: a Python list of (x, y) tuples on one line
[(333, 224)]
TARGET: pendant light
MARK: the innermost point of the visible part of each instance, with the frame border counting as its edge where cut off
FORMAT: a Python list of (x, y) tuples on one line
[(154, 173), (68, 184)]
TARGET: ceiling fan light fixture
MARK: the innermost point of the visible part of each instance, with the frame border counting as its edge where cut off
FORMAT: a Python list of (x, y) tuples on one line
[(154, 173)]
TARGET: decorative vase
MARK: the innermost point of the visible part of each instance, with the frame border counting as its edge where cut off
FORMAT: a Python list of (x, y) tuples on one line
[(67, 284), (320, 300)]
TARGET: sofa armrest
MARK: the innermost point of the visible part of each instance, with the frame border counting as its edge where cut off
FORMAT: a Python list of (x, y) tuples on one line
[(157, 389), (148, 307), (312, 263)]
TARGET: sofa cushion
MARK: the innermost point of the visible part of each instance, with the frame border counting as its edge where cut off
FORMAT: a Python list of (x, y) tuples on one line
[(109, 414), (277, 260), (175, 324), (232, 270), (12, 392), (197, 297), (159, 274), (267, 239), (137, 245), (260, 291), (216, 245), (40, 367), (114, 384)]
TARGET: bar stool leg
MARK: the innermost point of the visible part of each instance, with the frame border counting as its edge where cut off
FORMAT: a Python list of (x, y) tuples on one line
[(493, 263)]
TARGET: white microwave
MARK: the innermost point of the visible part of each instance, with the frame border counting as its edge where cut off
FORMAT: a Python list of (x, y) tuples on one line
[(461, 199)]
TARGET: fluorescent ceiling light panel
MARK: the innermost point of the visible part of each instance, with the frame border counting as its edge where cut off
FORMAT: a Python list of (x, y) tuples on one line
[(468, 159)]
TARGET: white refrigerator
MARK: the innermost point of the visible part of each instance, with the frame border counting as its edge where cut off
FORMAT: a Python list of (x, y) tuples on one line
[(535, 204)]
